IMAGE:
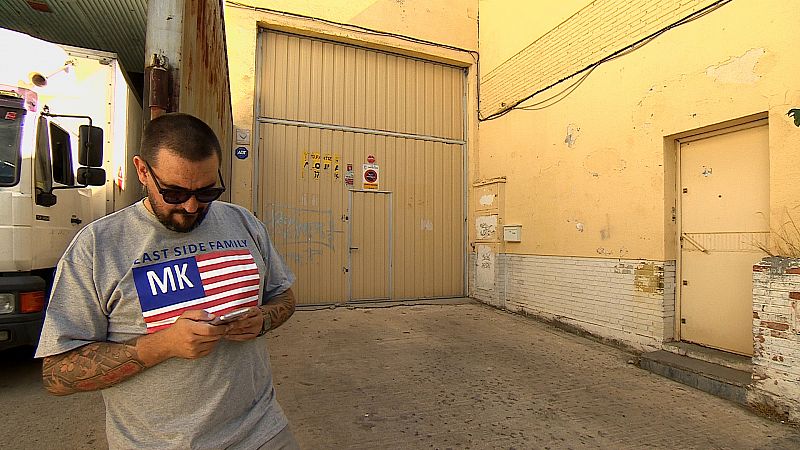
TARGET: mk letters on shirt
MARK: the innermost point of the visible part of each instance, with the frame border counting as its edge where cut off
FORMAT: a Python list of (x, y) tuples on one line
[(218, 282)]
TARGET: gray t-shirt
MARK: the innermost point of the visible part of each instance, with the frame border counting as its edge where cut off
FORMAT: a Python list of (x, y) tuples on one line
[(126, 275)]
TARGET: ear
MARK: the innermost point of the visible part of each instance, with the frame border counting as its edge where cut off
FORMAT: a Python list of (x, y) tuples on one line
[(141, 170)]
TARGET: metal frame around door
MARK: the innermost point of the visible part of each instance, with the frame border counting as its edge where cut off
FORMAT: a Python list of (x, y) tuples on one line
[(390, 279)]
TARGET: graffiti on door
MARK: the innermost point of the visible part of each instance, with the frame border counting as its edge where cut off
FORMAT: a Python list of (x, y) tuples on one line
[(301, 235)]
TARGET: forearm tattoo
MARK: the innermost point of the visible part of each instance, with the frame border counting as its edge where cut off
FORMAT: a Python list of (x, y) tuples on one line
[(91, 367), (279, 308)]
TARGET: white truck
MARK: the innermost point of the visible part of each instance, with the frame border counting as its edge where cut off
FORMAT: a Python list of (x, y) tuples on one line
[(68, 122)]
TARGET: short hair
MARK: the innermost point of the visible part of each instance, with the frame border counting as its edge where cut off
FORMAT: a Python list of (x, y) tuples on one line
[(182, 134)]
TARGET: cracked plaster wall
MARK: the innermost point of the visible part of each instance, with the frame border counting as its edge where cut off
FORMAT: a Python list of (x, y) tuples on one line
[(594, 174)]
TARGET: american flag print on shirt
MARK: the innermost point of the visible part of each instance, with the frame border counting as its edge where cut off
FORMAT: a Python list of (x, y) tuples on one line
[(218, 282)]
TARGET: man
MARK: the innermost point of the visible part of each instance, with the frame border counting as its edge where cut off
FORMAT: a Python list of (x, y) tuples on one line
[(136, 294)]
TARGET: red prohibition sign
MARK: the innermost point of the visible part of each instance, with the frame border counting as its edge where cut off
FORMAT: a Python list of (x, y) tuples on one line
[(371, 176)]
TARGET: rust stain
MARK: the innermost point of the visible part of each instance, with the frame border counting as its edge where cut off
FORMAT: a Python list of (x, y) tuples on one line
[(204, 72)]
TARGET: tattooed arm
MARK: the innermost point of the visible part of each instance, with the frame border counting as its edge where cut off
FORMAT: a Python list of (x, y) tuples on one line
[(103, 364), (91, 367), (278, 309)]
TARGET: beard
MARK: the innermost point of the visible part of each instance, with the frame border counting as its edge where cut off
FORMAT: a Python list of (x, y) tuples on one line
[(168, 218)]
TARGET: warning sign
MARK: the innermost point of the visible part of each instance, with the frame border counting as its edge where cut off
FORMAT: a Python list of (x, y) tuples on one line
[(348, 175), (370, 176)]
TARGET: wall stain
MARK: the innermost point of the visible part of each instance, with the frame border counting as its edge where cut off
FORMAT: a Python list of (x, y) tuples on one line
[(738, 70), (648, 278), (572, 135)]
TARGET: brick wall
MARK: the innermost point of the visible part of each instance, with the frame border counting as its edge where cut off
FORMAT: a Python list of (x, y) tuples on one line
[(593, 33), (630, 301), (776, 331)]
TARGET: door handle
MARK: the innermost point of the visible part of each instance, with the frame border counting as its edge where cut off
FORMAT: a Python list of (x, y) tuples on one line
[(353, 248), (693, 242), (76, 220)]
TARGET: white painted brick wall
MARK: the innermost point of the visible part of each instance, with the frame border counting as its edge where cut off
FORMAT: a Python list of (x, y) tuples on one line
[(631, 301), (494, 297), (776, 334)]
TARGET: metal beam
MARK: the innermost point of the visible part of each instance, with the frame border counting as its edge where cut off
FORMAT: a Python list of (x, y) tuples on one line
[(324, 126)]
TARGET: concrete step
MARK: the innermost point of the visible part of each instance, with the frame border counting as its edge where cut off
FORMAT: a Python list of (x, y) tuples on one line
[(725, 382), (711, 355)]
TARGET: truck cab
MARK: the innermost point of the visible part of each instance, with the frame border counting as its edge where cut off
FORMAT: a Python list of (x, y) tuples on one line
[(45, 196)]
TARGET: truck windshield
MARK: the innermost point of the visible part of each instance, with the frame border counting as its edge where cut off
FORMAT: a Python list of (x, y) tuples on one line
[(10, 138)]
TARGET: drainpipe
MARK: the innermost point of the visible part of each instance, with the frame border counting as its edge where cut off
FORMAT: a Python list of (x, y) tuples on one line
[(157, 76)]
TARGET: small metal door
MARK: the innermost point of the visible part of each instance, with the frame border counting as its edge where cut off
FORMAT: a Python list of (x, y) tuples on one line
[(724, 224), (370, 245)]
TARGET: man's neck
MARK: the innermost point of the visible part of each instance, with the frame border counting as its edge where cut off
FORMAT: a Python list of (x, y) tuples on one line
[(147, 205)]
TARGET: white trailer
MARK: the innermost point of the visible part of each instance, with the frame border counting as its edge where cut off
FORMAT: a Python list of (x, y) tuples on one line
[(68, 124)]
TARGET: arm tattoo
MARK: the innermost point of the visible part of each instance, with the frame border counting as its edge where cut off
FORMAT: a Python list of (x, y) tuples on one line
[(279, 308), (91, 367)]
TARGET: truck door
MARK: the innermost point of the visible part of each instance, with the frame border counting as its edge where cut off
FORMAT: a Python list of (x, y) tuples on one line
[(55, 226)]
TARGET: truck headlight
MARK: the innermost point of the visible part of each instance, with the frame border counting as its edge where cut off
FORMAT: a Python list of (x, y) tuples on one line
[(7, 302)]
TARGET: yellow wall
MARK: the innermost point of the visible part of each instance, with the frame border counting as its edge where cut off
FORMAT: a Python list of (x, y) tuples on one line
[(603, 160), (448, 22)]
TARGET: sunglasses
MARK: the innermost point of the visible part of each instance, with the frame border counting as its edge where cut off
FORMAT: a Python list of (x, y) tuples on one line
[(178, 196)]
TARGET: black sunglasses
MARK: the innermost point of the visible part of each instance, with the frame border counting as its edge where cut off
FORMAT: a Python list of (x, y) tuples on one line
[(178, 196)]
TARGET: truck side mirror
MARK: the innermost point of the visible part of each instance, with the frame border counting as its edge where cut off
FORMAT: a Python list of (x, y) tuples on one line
[(91, 176), (90, 147)]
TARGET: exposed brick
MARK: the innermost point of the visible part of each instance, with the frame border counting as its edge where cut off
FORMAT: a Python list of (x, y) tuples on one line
[(779, 334), (776, 325), (793, 271), (591, 34), (794, 295)]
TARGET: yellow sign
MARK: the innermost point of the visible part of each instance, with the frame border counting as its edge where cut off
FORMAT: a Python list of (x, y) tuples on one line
[(304, 165), (319, 164)]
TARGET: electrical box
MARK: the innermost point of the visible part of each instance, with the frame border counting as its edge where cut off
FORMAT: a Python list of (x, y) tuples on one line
[(512, 233)]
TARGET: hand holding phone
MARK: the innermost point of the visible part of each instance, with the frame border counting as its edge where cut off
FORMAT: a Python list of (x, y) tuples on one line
[(229, 317)]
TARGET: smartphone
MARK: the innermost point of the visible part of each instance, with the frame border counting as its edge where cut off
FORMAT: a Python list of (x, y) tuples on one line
[(229, 317)]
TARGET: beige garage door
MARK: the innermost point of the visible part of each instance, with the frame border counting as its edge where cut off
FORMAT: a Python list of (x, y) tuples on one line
[(329, 112)]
